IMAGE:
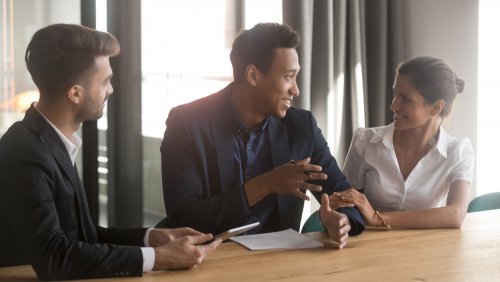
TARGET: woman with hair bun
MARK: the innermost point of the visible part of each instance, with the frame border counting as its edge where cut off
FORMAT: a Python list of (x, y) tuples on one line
[(411, 173)]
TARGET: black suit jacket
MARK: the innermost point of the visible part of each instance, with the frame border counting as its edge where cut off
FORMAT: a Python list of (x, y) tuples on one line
[(200, 186), (44, 217)]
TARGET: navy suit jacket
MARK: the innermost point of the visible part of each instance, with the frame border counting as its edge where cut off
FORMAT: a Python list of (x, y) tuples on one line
[(200, 184), (44, 217)]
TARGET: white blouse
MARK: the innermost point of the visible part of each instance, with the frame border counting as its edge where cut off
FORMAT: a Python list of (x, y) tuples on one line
[(371, 164)]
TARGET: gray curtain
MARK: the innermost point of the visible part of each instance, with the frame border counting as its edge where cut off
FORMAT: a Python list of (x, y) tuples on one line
[(385, 48), (348, 55)]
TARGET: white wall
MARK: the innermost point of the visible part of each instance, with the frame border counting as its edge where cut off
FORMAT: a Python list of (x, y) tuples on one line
[(448, 29)]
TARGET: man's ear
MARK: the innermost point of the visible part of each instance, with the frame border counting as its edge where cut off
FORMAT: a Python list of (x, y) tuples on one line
[(438, 107), (251, 74), (75, 94)]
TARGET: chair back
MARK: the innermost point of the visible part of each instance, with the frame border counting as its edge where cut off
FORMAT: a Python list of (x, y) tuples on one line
[(490, 201)]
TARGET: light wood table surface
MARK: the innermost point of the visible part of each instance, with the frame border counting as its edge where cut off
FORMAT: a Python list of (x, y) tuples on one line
[(468, 254)]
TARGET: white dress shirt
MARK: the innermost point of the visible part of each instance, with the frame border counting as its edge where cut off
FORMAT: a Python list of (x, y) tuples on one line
[(371, 164), (73, 145)]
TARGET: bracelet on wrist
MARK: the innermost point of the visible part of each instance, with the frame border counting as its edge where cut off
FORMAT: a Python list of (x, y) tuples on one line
[(384, 223)]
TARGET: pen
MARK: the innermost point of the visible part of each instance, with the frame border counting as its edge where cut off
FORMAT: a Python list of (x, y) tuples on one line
[(306, 172)]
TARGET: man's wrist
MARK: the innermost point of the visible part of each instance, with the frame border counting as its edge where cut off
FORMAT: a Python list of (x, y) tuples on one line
[(255, 191), (148, 259), (147, 241)]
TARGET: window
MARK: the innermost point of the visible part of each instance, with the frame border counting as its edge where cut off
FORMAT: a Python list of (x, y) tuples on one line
[(19, 20), (488, 152)]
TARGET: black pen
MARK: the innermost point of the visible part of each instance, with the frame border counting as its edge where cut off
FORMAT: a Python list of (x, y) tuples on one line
[(306, 172)]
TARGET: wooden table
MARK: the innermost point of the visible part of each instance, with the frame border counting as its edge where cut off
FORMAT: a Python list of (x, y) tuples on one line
[(469, 254)]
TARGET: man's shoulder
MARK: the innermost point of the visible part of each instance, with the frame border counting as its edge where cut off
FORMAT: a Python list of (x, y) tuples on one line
[(298, 115), (15, 136), (20, 143), (298, 112)]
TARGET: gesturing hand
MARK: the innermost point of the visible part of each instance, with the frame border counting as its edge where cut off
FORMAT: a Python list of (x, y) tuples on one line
[(289, 178), (337, 224), (158, 237), (184, 252), (358, 199)]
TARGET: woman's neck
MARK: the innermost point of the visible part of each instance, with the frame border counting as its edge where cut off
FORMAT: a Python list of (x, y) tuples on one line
[(417, 138), (412, 145)]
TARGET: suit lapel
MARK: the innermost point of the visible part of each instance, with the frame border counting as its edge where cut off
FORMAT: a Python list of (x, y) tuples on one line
[(221, 126), (37, 123), (280, 154), (278, 140), (49, 137)]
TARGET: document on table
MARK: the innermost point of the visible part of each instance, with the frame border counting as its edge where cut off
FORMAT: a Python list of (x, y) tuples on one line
[(286, 239)]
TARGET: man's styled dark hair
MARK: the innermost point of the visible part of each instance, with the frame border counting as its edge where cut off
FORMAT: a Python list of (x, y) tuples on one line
[(256, 46), (60, 55)]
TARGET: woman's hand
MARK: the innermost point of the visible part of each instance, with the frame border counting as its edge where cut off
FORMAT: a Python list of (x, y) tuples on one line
[(336, 202), (354, 197)]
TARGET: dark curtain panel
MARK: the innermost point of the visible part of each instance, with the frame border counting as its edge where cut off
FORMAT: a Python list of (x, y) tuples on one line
[(124, 134), (349, 52), (384, 50), (89, 133)]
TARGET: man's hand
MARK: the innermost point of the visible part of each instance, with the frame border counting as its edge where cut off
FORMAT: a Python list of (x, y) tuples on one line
[(184, 252), (337, 224), (158, 237), (353, 196), (289, 178)]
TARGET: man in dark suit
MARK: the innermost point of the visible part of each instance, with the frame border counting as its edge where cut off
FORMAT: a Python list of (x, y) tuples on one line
[(244, 154), (44, 217)]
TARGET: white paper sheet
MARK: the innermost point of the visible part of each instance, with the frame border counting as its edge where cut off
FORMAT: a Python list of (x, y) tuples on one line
[(286, 239)]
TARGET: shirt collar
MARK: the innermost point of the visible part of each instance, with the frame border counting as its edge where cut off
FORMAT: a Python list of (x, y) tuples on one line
[(386, 136), (72, 144), (442, 142)]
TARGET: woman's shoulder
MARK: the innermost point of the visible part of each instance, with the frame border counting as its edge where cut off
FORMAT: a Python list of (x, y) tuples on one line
[(459, 146), (372, 134)]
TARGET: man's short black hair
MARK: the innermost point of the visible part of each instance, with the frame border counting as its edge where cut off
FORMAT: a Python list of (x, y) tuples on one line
[(256, 46)]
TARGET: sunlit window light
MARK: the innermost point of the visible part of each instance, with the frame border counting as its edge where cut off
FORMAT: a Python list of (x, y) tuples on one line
[(488, 152)]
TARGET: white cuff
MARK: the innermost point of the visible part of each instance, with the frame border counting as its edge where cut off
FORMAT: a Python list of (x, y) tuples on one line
[(146, 237), (148, 255)]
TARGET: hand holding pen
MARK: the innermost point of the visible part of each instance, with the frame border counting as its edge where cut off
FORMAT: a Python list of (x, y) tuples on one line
[(291, 178), (306, 172)]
